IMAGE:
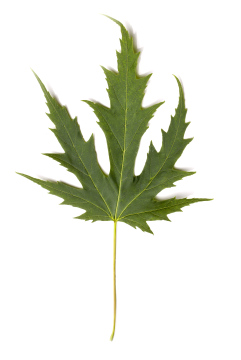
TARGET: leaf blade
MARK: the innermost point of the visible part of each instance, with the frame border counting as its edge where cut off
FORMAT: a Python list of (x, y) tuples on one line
[(81, 154), (122, 195)]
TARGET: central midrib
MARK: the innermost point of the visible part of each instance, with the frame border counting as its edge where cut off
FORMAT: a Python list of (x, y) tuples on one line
[(124, 147)]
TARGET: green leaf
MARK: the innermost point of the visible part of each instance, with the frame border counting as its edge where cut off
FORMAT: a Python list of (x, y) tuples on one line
[(120, 195)]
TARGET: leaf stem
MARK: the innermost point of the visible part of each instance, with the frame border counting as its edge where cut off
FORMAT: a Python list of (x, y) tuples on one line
[(114, 279)]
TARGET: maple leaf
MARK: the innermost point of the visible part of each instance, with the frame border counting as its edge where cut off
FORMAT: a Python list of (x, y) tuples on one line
[(120, 195)]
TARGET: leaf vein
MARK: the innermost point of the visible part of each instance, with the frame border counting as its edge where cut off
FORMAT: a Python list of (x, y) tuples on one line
[(79, 197), (151, 211)]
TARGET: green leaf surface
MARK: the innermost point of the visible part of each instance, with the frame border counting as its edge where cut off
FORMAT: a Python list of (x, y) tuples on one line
[(120, 195)]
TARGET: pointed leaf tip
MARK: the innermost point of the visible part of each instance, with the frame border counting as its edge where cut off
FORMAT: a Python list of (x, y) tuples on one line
[(178, 81), (35, 74), (116, 21)]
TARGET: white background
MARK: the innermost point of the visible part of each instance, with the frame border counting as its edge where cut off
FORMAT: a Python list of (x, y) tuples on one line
[(178, 291)]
